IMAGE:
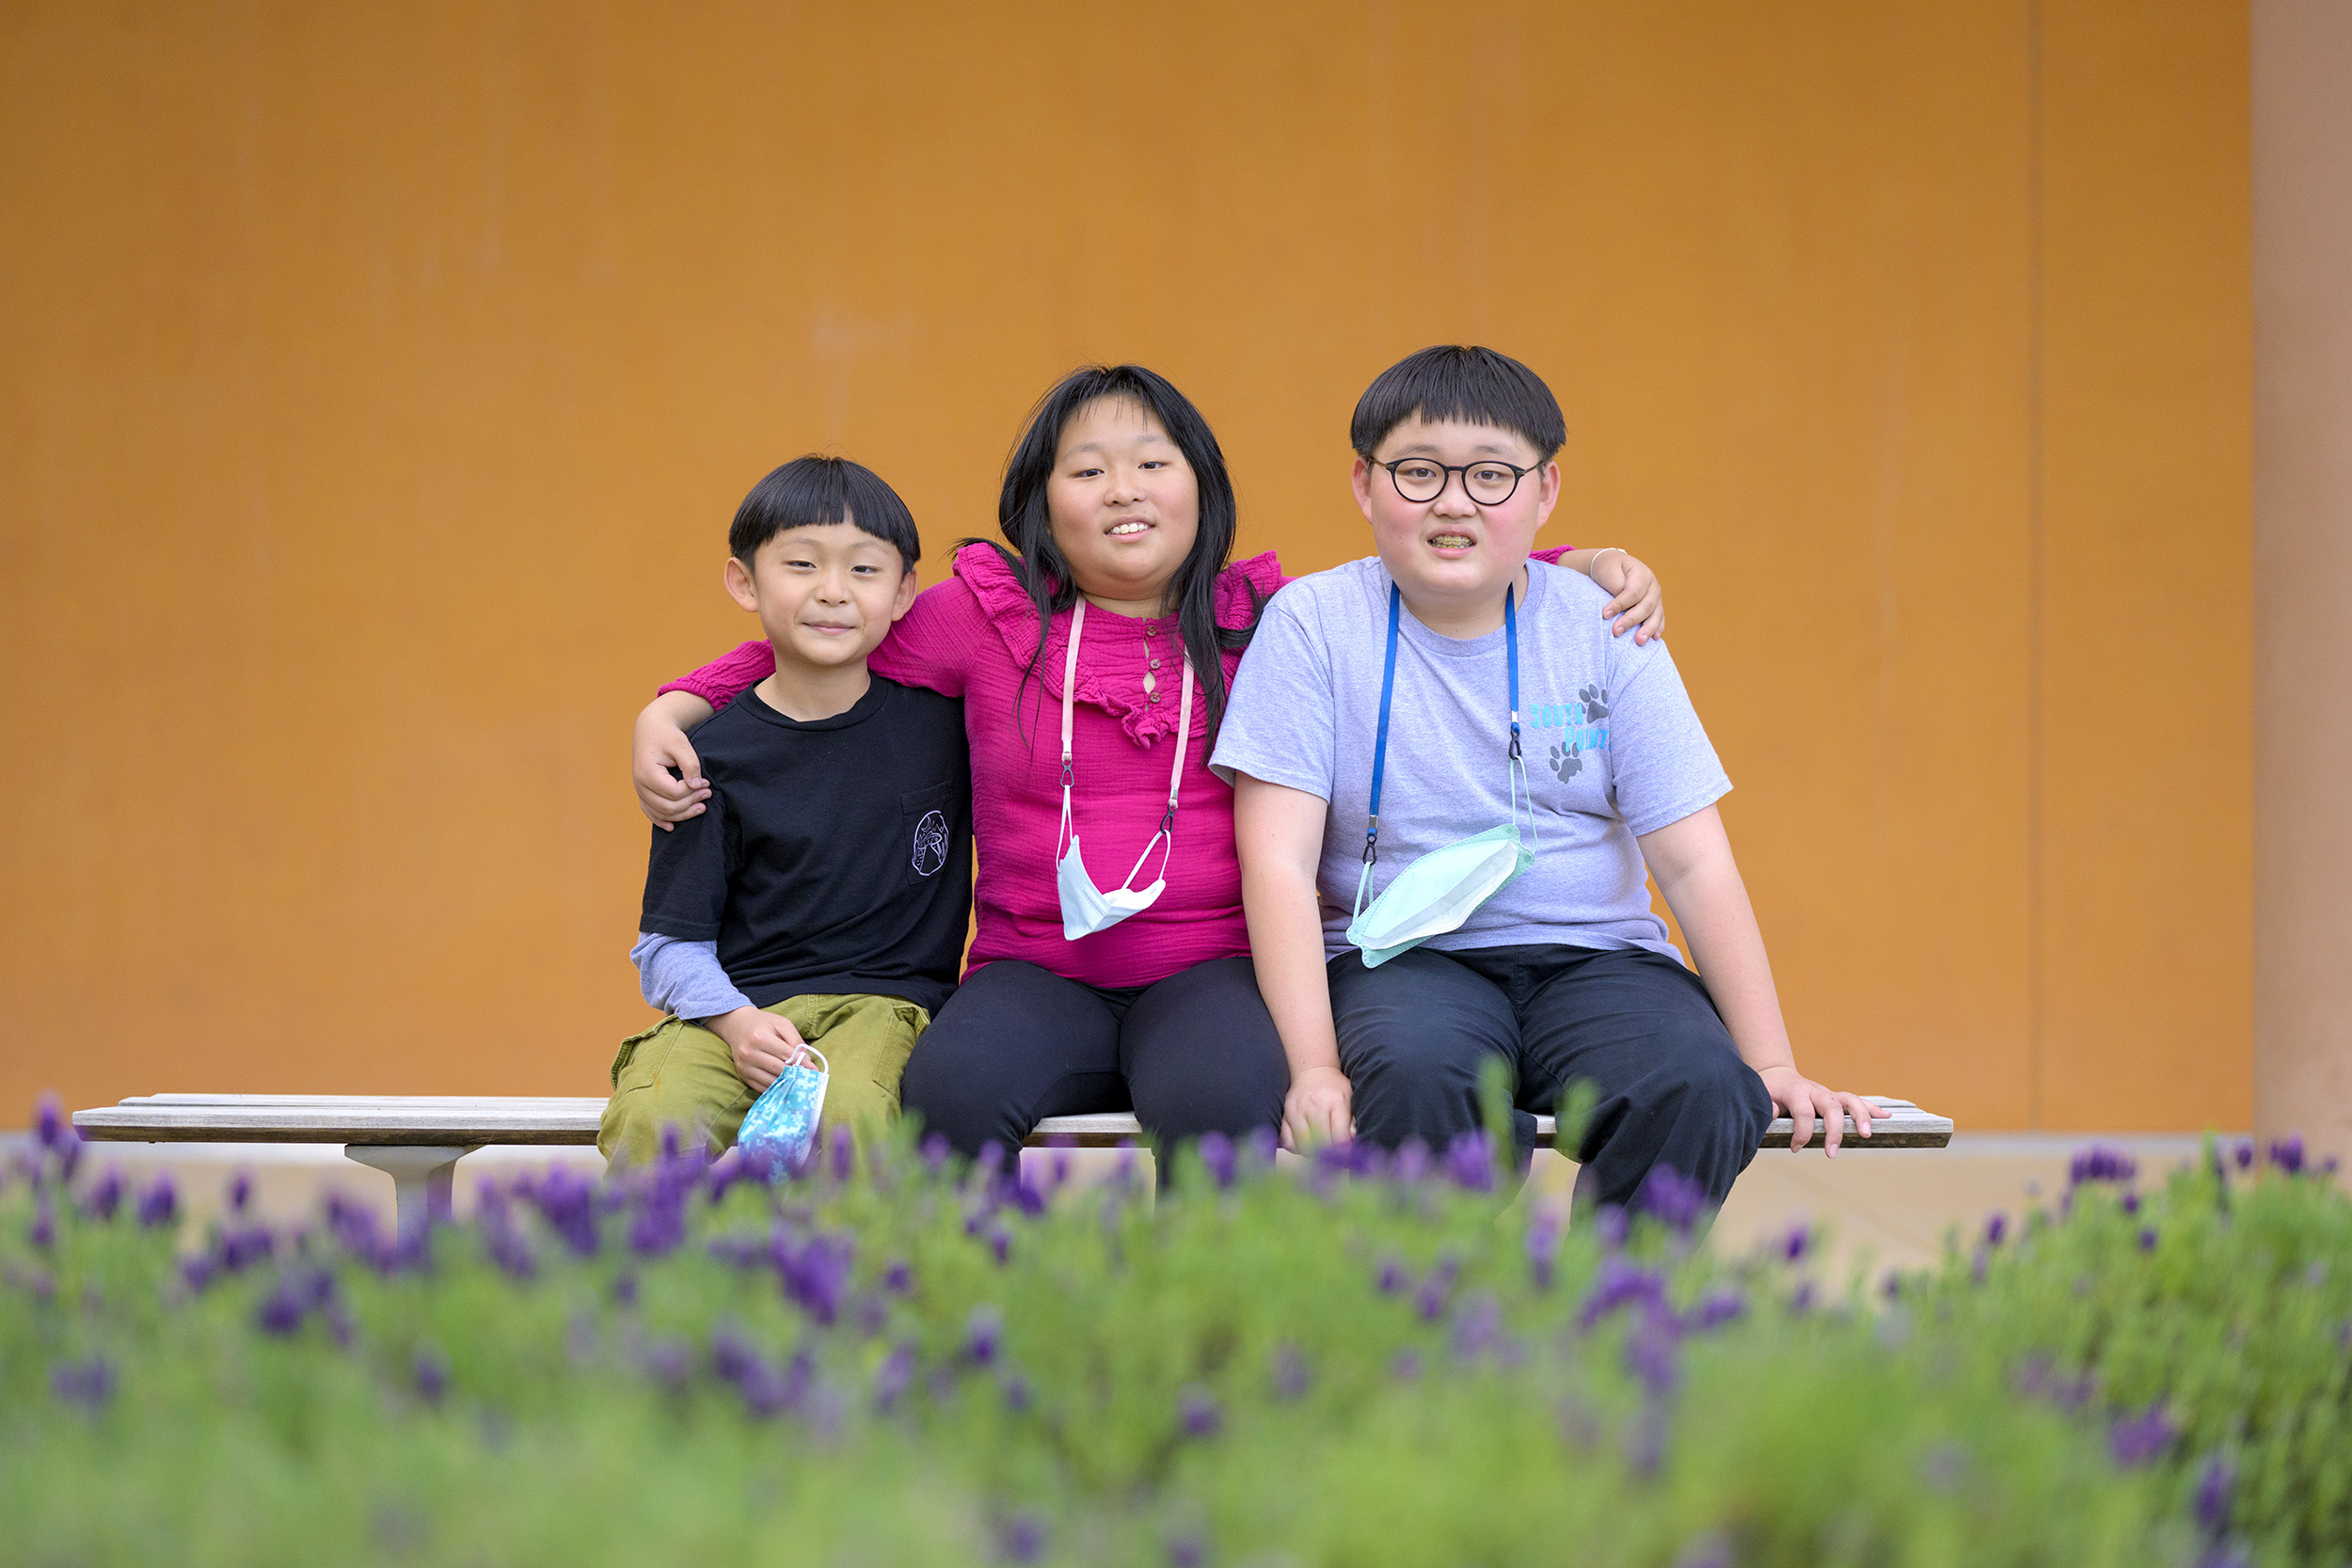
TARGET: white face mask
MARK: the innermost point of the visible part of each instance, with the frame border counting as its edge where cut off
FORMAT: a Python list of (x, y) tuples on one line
[(1085, 909), (1440, 889)]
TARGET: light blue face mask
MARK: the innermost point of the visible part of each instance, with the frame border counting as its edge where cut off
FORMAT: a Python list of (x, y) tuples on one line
[(1439, 890), (780, 1126)]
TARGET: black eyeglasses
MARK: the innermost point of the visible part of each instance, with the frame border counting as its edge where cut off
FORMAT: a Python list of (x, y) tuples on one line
[(1419, 479)]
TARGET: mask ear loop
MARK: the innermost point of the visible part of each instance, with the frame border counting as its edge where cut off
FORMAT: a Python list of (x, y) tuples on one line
[(1166, 836), (1063, 836)]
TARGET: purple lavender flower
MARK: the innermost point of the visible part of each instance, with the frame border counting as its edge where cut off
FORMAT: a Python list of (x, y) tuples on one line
[(1722, 1306), (2131, 1203), (2142, 1439), (844, 1154), (1612, 1224), (1290, 1376), (2099, 1163), (1430, 1300), (814, 1275), (893, 1378), (1391, 1277), (935, 1152), (1219, 1154), (2148, 1237), (1672, 1198), (1709, 1550), (1262, 1145), (49, 1122), (428, 1369), (281, 1311), (1186, 1551), (1799, 1241), (870, 1312), (2215, 1484), (983, 1332), (2246, 1156), (1477, 1326), (625, 1288), (246, 1246), (197, 1271), (731, 1354), (1017, 1394), (1407, 1366), (667, 1362), (1470, 1161), (104, 1197), (1995, 1230), (88, 1383), (1199, 1414), (567, 1205), (1652, 1351), (1000, 1245), (160, 1203), (1621, 1283), (1544, 1228), (1021, 1538), (1412, 1162), (1644, 1440), (899, 1280), (240, 1192), (1801, 1302), (769, 1391), (2287, 1154), (43, 1232)]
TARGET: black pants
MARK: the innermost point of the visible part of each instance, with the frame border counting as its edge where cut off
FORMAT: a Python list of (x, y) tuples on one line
[(1639, 1027), (1192, 1054)]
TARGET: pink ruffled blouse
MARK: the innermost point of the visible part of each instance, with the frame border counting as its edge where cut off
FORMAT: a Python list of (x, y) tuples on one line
[(973, 637)]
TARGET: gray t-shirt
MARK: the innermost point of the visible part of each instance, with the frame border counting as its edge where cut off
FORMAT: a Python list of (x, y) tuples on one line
[(1612, 745)]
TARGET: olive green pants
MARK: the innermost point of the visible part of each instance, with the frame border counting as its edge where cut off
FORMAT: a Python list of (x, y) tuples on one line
[(679, 1074)]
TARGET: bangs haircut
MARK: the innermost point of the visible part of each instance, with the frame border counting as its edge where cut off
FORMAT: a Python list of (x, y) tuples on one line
[(1463, 383), (813, 491), (1027, 521)]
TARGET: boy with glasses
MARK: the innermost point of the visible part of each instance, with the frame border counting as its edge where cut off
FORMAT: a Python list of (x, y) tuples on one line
[(1450, 780)]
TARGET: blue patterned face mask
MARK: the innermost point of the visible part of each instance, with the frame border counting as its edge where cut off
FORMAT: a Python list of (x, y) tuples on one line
[(780, 1126)]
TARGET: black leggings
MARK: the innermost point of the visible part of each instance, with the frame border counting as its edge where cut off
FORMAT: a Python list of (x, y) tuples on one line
[(1193, 1054)]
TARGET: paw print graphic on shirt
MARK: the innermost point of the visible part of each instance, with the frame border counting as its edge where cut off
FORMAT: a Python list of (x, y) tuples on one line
[(1568, 764), (1596, 700)]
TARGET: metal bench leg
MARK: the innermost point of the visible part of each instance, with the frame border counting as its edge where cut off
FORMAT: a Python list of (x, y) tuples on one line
[(422, 1178)]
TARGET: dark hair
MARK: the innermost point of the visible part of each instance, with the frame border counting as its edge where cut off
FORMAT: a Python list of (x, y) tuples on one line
[(1476, 385), (1028, 525), (813, 491)]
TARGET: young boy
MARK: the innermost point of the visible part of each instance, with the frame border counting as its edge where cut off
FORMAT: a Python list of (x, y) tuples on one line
[(822, 898), (1476, 689)]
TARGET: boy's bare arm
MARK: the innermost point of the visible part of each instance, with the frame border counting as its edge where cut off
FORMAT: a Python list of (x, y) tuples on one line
[(1691, 860), (1278, 833), (661, 744)]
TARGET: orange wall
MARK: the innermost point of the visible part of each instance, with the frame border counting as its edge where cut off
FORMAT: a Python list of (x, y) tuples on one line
[(375, 386)]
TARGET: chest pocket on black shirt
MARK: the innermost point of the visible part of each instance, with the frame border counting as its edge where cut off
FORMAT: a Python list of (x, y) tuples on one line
[(928, 827)]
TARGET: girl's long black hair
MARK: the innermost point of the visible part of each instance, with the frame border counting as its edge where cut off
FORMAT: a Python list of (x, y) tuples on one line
[(1029, 527)]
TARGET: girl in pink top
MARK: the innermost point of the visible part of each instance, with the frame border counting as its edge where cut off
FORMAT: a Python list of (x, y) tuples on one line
[(1118, 498)]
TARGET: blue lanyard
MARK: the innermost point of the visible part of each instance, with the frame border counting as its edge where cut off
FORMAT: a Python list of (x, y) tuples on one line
[(1388, 691)]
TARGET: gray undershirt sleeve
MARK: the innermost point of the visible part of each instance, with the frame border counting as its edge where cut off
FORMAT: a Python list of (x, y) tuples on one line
[(684, 977)]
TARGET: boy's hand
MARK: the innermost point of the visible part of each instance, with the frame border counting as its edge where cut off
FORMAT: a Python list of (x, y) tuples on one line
[(658, 746), (1638, 601), (762, 1044), (1804, 1101), (1319, 1109)]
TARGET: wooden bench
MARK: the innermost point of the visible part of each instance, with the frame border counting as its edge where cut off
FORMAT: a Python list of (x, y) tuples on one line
[(417, 1139)]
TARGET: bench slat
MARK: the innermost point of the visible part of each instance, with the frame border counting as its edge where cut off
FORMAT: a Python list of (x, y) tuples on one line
[(447, 1119)]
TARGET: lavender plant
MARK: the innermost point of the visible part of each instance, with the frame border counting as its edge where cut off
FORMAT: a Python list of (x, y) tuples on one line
[(886, 1357)]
